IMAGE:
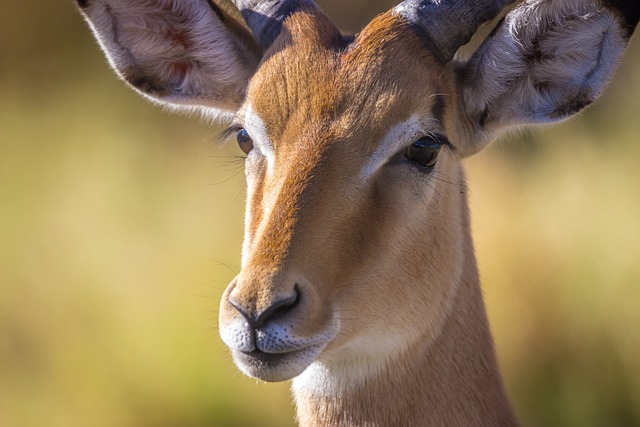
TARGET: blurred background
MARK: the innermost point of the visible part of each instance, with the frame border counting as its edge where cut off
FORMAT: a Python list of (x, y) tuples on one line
[(120, 226)]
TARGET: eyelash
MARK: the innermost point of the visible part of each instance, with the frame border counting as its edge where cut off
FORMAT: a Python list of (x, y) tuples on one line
[(231, 132)]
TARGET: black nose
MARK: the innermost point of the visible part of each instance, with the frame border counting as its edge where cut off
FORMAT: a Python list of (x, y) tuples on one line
[(275, 310)]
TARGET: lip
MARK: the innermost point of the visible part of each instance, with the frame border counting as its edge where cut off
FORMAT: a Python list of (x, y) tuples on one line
[(262, 357), (276, 366), (270, 358)]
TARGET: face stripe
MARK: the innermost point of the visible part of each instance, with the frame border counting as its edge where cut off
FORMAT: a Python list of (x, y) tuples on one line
[(254, 125), (253, 214)]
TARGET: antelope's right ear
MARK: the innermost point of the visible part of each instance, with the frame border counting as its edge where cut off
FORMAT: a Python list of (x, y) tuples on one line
[(185, 53)]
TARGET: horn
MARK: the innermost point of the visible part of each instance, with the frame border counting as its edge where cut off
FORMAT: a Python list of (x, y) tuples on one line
[(445, 25), (264, 17)]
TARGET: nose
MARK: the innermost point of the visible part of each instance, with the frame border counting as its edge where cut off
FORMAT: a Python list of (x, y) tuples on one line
[(278, 309)]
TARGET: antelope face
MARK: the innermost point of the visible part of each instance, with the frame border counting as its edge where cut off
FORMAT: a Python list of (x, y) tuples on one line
[(356, 226), (349, 174)]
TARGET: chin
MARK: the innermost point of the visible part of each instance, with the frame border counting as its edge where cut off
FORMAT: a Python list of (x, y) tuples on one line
[(274, 367)]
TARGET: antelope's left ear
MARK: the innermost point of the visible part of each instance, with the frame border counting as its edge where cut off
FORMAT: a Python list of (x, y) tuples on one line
[(546, 61)]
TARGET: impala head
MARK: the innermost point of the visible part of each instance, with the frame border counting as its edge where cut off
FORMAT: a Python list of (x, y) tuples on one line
[(336, 210), (356, 223)]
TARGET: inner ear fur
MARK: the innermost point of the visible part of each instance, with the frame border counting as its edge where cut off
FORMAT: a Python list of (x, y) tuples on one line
[(184, 53), (543, 63)]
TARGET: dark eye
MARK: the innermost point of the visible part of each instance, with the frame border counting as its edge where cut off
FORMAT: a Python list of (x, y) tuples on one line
[(424, 152), (244, 141)]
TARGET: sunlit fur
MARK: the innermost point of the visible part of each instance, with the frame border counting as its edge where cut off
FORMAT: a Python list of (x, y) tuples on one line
[(388, 326), (364, 252)]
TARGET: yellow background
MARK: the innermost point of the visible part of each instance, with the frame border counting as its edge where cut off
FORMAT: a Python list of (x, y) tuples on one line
[(120, 226)]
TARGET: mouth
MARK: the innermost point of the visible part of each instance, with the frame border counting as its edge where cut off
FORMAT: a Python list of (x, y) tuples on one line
[(273, 367)]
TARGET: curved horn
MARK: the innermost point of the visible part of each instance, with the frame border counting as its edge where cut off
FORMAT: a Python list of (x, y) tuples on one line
[(264, 17), (448, 24)]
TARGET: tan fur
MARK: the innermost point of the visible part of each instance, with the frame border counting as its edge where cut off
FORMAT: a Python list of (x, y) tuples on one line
[(358, 272), (364, 255)]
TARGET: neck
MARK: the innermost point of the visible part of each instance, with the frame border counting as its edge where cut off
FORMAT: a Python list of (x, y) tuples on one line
[(453, 380)]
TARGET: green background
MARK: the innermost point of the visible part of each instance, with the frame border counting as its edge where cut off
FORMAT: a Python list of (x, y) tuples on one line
[(120, 226)]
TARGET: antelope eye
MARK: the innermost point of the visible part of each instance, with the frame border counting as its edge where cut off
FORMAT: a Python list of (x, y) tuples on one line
[(424, 152), (244, 141)]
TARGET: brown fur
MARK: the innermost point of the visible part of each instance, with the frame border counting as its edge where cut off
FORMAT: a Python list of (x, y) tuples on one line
[(325, 111), (358, 274)]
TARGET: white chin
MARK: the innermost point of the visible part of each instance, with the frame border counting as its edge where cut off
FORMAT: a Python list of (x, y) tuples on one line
[(276, 367)]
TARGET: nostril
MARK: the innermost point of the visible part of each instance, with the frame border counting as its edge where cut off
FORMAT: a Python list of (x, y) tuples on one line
[(278, 308), (235, 304)]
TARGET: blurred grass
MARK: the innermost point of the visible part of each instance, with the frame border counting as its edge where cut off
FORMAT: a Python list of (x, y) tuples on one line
[(120, 226)]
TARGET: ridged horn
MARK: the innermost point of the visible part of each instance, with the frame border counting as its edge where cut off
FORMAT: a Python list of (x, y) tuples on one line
[(264, 17), (446, 25)]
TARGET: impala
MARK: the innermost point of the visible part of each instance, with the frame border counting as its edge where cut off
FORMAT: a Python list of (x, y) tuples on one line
[(358, 277)]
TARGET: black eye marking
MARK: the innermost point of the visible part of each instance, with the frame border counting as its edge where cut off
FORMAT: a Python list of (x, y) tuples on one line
[(244, 141), (424, 152)]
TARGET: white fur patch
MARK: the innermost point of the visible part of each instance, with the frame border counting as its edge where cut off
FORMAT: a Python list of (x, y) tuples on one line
[(256, 129), (254, 125), (397, 137)]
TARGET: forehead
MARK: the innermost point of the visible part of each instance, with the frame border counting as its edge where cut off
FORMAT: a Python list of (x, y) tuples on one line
[(314, 83)]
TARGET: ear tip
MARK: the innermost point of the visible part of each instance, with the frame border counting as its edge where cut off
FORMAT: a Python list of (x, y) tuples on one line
[(83, 4), (629, 11)]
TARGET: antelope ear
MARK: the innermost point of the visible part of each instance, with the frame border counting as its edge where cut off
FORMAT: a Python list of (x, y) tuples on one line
[(185, 53), (546, 61)]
